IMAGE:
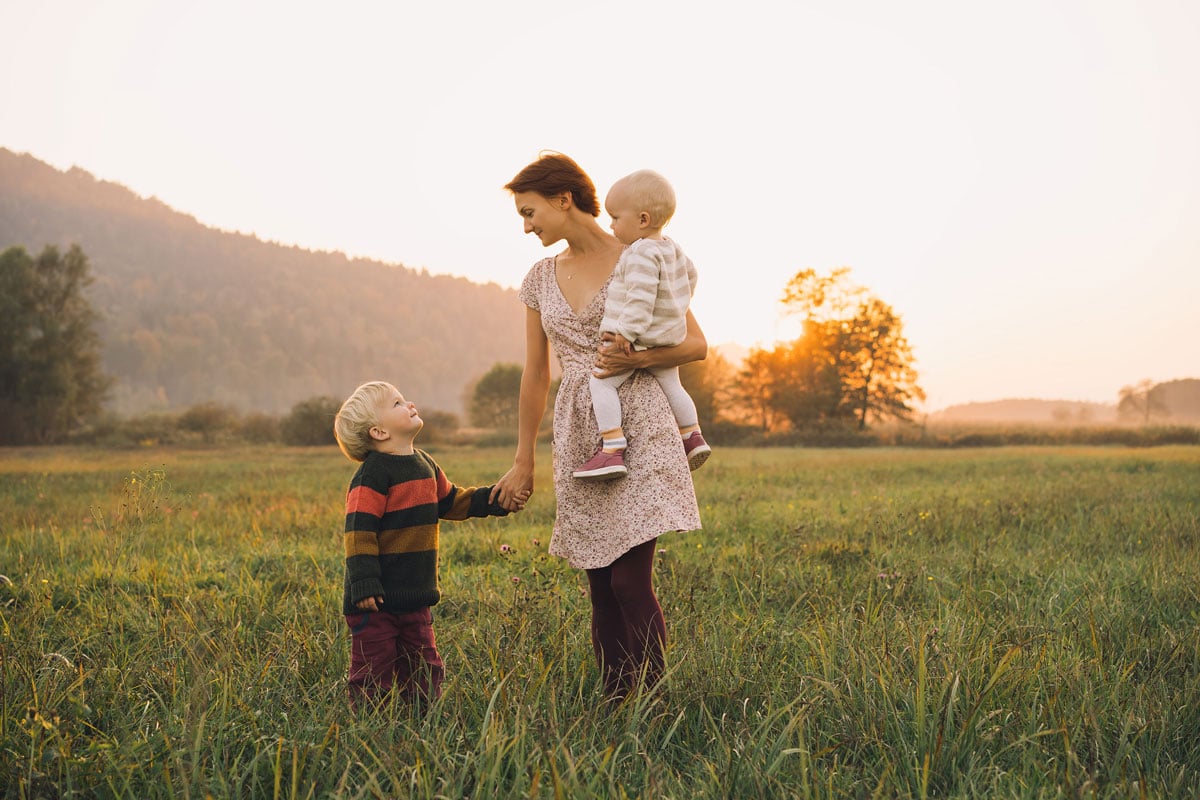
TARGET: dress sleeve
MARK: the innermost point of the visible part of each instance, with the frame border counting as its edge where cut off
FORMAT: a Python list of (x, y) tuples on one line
[(531, 287)]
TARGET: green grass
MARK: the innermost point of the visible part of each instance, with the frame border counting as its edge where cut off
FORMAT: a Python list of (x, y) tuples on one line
[(1013, 622)]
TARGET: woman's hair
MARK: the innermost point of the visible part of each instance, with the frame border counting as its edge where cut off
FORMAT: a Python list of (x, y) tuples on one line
[(553, 174), (354, 420), (652, 193)]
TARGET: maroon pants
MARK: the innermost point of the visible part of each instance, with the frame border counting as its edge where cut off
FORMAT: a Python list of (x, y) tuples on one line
[(628, 630), (394, 651)]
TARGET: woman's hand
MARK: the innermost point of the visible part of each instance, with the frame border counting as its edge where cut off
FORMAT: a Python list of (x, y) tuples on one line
[(513, 489), (611, 359)]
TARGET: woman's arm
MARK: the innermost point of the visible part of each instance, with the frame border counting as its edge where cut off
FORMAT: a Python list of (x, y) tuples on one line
[(694, 347), (517, 483)]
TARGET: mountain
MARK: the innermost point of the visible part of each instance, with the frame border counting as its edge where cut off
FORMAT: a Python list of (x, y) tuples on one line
[(192, 314)]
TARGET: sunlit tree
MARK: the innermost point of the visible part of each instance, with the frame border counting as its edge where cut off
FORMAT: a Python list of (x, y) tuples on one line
[(850, 365)]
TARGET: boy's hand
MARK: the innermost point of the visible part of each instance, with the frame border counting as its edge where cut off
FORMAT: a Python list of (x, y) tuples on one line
[(519, 500), (369, 603)]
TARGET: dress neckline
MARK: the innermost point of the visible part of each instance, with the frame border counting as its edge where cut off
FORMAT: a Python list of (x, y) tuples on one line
[(563, 295)]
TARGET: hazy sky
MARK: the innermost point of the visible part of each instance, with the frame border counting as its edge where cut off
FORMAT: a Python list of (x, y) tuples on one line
[(1019, 180)]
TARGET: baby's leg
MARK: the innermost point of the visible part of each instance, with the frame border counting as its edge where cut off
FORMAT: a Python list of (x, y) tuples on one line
[(608, 463), (607, 406), (681, 402)]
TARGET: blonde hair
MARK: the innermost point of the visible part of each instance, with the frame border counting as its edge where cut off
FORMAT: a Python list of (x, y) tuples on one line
[(652, 193), (354, 420)]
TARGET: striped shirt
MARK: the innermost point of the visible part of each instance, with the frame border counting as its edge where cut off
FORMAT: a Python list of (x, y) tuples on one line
[(392, 513), (648, 298)]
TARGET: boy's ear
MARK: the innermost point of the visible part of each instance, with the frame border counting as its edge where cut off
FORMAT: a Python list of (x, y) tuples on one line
[(644, 219), (379, 434)]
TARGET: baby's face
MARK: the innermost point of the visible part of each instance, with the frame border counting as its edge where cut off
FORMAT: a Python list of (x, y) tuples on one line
[(619, 206)]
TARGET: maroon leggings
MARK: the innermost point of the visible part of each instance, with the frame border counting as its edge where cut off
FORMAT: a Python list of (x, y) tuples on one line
[(628, 630)]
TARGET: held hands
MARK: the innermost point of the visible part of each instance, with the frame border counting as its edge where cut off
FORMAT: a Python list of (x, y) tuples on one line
[(514, 489)]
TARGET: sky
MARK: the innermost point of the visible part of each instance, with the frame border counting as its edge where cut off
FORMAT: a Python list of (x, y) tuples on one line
[(1020, 181)]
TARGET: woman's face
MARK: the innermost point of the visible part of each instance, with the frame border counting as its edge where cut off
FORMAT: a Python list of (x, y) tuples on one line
[(544, 216)]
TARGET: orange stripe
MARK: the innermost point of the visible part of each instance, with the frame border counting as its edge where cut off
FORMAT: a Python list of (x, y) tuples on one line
[(410, 493), (443, 485), (461, 506), (366, 500), (417, 539), (360, 543)]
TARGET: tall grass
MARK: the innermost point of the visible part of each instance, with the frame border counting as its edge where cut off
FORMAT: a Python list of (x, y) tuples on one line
[(850, 623)]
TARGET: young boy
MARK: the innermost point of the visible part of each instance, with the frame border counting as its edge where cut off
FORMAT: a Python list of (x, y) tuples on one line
[(648, 299), (393, 506)]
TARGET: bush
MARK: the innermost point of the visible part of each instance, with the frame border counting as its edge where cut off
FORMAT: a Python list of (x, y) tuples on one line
[(310, 422), (210, 420), (259, 428)]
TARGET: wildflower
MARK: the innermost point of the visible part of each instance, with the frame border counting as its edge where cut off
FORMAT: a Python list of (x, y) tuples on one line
[(505, 548), (515, 579), (536, 542)]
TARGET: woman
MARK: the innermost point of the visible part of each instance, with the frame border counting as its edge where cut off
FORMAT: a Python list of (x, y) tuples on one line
[(608, 529)]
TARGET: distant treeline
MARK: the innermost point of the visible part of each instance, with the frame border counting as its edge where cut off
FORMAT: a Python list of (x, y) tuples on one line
[(310, 423), (189, 314)]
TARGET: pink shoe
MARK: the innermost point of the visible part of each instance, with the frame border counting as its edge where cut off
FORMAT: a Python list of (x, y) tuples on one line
[(696, 450), (602, 467)]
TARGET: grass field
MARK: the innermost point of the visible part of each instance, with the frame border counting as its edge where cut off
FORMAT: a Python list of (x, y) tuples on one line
[(1010, 622)]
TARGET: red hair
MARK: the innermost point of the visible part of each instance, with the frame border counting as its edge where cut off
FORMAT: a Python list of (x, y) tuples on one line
[(553, 174)]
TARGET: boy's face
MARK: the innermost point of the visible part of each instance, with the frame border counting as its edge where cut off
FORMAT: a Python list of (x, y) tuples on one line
[(398, 418), (626, 220)]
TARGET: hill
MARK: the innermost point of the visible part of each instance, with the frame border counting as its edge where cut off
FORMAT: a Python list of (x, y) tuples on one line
[(1173, 402), (192, 314), (1027, 411)]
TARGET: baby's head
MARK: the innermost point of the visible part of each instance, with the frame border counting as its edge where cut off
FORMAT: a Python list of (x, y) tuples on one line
[(354, 420), (641, 203)]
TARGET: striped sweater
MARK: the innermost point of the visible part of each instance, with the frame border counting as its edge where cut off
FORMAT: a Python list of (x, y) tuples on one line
[(649, 294), (392, 512)]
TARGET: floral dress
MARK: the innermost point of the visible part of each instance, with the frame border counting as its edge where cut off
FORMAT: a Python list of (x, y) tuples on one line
[(596, 523)]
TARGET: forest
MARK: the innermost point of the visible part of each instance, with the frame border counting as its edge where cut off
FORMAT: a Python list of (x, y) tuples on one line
[(189, 314)]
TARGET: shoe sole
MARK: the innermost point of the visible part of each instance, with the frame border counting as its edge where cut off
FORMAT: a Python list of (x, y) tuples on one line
[(602, 474), (697, 457)]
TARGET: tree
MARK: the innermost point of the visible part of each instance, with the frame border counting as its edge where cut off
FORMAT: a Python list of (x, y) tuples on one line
[(1140, 402), (851, 363), (494, 400), (708, 382), (50, 378)]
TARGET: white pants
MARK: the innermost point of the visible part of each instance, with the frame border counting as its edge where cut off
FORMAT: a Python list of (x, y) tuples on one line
[(607, 405)]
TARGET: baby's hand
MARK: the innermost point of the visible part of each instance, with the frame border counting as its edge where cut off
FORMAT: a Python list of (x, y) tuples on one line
[(622, 344), (370, 603)]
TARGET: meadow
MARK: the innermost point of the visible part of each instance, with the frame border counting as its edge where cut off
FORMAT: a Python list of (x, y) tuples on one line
[(1017, 622)]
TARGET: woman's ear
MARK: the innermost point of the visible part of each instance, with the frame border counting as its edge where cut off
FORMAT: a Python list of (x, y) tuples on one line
[(563, 201)]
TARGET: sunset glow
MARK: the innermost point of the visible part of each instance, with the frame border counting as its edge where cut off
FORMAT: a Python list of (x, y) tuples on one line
[(1019, 181)]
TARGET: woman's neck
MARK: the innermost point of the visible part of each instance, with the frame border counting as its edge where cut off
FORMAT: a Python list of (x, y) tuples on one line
[(588, 239)]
